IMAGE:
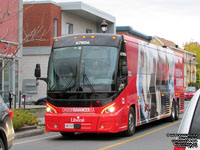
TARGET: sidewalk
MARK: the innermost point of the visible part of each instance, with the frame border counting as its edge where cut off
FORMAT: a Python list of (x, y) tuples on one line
[(29, 131)]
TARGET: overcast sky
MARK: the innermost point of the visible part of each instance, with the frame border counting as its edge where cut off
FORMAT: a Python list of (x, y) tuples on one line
[(175, 20)]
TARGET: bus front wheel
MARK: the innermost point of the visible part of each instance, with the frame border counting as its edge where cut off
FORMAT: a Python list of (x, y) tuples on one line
[(131, 123)]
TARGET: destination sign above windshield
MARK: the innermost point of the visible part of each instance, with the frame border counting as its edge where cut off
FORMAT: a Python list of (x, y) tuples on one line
[(88, 39)]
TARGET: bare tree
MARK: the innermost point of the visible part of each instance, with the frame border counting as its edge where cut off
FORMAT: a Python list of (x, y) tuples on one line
[(9, 12)]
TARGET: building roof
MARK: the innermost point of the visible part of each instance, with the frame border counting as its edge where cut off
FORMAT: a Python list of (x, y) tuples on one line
[(166, 42), (79, 8), (131, 31), (87, 11), (171, 44), (182, 50)]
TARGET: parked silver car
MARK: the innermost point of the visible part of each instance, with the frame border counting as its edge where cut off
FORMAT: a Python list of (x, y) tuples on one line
[(6, 126), (188, 137)]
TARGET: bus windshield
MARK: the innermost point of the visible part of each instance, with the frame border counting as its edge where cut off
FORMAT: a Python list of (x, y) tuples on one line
[(83, 69)]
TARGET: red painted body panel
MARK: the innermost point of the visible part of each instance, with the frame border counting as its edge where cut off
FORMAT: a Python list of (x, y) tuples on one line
[(179, 81)]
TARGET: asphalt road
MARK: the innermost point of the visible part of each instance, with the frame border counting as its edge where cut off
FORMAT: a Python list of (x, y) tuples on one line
[(147, 137)]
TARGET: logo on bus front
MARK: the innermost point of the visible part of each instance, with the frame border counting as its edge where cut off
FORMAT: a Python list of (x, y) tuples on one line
[(82, 42), (77, 110), (78, 119)]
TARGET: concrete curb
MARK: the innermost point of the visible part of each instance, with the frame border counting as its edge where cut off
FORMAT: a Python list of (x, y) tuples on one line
[(28, 133)]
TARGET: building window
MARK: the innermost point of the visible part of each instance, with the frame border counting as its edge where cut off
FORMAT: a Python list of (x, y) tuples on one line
[(193, 76), (187, 56), (69, 28), (188, 76), (55, 27), (88, 31)]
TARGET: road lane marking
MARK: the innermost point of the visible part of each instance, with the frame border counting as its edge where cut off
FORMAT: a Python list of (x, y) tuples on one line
[(137, 137), (35, 140)]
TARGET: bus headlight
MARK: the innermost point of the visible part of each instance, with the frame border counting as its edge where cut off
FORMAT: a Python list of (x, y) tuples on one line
[(109, 109), (50, 109)]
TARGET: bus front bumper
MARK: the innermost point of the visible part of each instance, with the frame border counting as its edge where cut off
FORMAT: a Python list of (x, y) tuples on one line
[(88, 123)]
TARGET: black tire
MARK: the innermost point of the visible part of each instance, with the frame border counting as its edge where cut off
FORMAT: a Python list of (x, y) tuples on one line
[(177, 111), (67, 134), (131, 123), (2, 145), (173, 112)]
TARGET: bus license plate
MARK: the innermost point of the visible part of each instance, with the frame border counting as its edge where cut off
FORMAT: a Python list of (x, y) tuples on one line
[(69, 126)]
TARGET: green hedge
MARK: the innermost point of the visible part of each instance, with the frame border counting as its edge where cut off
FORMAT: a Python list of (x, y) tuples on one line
[(23, 117), (194, 84)]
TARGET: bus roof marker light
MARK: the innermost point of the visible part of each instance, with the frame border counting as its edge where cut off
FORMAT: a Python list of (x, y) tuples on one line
[(56, 40), (114, 37), (84, 37), (92, 36)]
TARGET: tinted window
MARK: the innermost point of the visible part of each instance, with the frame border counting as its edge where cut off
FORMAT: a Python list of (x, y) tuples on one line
[(89, 67), (195, 126), (190, 89)]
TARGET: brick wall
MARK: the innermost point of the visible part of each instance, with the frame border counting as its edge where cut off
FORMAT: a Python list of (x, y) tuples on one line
[(9, 17), (42, 15)]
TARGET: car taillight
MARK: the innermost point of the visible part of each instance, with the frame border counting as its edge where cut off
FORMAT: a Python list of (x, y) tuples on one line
[(10, 113), (179, 148)]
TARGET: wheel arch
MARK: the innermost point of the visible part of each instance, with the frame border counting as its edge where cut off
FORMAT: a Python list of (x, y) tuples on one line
[(135, 108)]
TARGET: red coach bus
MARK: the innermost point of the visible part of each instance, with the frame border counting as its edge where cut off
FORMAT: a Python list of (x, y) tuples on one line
[(103, 83)]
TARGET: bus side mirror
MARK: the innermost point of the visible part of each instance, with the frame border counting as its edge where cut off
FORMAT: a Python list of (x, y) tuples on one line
[(37, 71), (124, 68)]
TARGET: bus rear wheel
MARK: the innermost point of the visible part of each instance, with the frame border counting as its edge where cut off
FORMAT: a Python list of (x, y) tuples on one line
[(131, 123), (67, 134), (177, 111), (173, 112)]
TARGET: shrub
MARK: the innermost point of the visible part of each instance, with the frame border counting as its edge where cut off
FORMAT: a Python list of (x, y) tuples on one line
[(23, 117), (196, 84)]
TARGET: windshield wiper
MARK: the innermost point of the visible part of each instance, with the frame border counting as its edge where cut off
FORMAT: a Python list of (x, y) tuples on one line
[(67, 86), (89, 83)]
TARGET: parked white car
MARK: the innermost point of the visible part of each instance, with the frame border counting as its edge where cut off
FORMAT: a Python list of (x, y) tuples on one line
[(190, 125)]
